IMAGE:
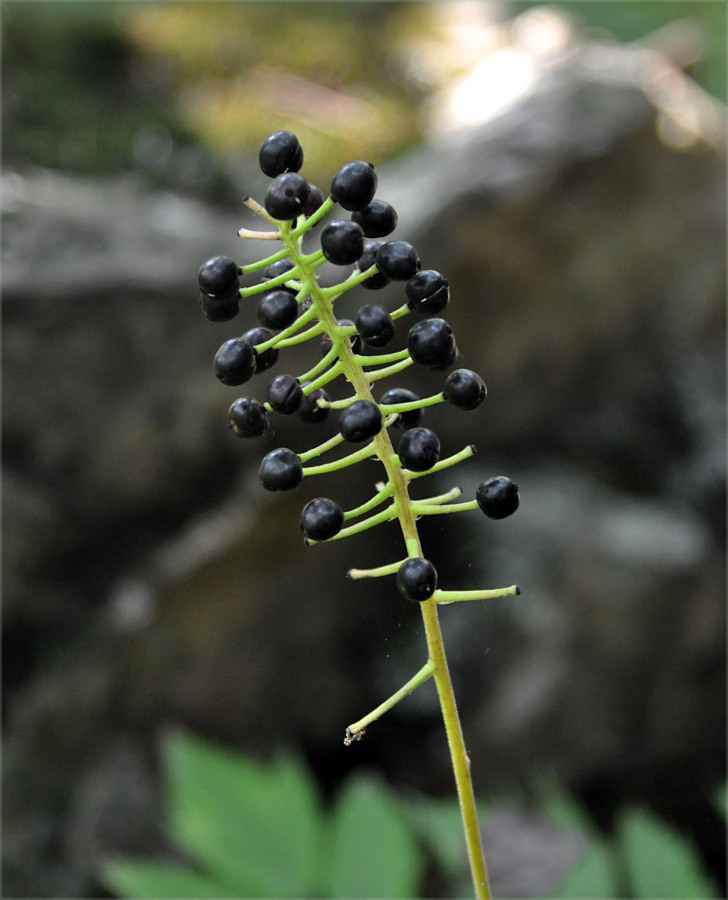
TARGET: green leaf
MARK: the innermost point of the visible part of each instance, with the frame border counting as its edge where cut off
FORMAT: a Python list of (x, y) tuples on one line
[(720, 801), (160, 880), (440, 825), (660, 862), (560, 807), (258, 827), (592, 877), (372, 850)]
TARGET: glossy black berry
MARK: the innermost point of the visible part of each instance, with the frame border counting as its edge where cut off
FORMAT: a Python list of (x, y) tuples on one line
[(219, 310), (264, 359), (286, 196), (431, 343), (498, 497), (354, 339), (285, 394), (354, 185), (447, 363), (235, 362), (247, 417), (377, 219), (220, 277), (280, 152), (342, 242), (419, 449), (309, 411), (417, 579), (280, 470), (315, 199), (277, 309), (367, 259), (410, 417), (279, 267), (398, 260), (374, 325), (360, 421), (464, 389), (427, 292), (321, 519)]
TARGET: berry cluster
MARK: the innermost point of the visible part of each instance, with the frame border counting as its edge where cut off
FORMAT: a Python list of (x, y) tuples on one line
[(294, 307)]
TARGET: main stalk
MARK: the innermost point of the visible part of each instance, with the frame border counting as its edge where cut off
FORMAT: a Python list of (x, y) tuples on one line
[(437, 659)]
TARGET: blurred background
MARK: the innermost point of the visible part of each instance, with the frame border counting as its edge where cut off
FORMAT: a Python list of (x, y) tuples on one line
[(564, 166)]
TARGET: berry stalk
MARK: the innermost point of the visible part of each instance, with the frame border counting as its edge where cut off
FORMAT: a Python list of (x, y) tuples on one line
[(436, 666)]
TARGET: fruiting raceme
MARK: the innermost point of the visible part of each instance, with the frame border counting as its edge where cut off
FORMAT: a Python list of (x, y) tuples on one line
[(295, 308)]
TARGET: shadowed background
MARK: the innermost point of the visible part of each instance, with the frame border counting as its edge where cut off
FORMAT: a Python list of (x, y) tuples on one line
[(570, 184)]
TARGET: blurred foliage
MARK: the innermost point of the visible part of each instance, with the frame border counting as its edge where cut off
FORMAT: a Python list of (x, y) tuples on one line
[(99, 87), (186, 91), (253, 830), (632, 20)]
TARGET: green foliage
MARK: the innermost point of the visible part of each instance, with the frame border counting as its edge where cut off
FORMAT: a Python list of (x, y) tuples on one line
[(220, 803), (632, 20), (371, 849), (86, 85), (646, 858), (660, 863), (163, 880), (255, 830)]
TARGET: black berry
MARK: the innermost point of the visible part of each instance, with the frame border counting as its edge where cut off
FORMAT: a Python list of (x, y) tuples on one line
[(360, 421), (285, 394), (464, 389), (419, 449), (219, 310), (342, 242), (410, 417), (277, 309), (378, 219), (321, 519), (427, 292), (264, 359), (281, 152), (354, 339), (354, 185), (247, 417), (220, 277), (315, 199), (447, 363), (235, 362), (498, 497), (280, 470), (367, 259), (309, 411), (431, 343), (279, 267), (286, 196), (375, 326), (417, 579), (398, 260)]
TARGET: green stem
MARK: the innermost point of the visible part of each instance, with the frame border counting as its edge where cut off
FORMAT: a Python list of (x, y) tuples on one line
[(427, 508), (353, 732), (389, 370), (388, 408), (402, 508), (342, 462), (378, 498), (390, 569), (486, 594)]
